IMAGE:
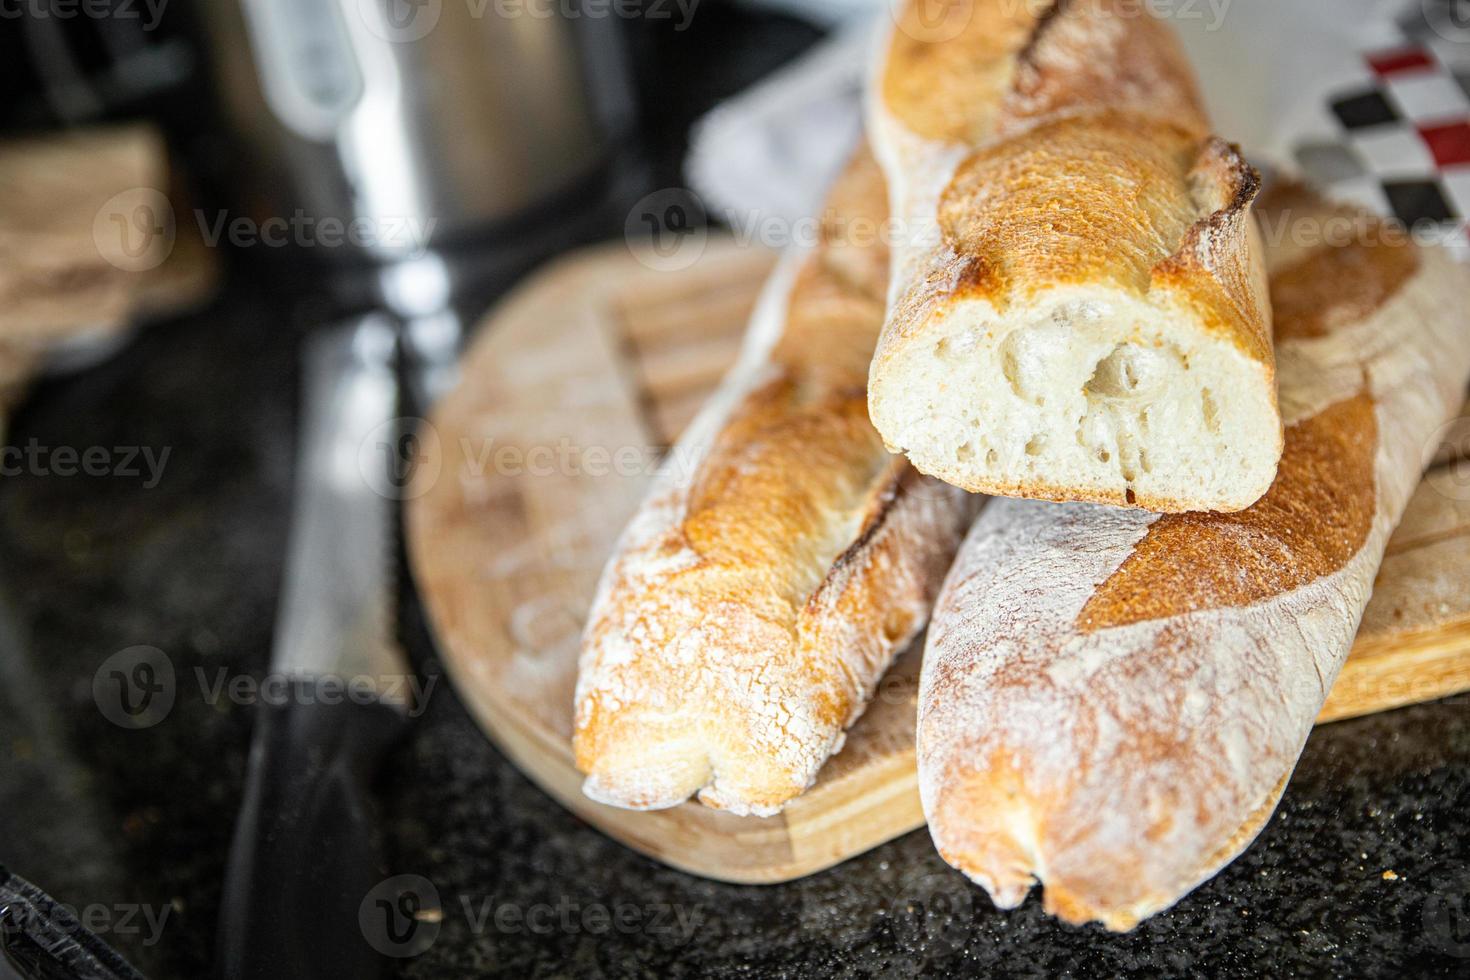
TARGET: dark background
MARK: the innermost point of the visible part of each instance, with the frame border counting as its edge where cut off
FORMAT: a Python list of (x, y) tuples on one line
[(98, 814)]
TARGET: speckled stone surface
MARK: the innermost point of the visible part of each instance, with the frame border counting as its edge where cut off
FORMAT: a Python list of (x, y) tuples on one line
[(102, 816)]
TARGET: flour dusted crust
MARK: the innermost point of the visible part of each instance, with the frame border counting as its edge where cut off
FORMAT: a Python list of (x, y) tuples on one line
[(1077, 302), (781, 561), (1113, 701)]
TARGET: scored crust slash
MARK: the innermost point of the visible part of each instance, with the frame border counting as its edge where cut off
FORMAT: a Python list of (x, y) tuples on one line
[(750, 610)]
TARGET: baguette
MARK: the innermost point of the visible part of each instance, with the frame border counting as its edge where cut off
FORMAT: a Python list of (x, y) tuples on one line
[(773, 573), (1077, 305), (1111, 701)]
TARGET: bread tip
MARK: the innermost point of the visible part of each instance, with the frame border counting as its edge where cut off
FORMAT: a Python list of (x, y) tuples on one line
[(716, 798), (1005, 893), (656, 785), (1008, 883), (1076, 911), (613, 793)]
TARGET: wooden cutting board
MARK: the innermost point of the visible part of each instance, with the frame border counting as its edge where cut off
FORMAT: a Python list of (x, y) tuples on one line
[(530, 468)]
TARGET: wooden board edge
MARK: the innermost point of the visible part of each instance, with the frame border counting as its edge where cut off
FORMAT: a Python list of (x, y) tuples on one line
[(873, 808), (852, 814), (1397, 670), (760, 854)]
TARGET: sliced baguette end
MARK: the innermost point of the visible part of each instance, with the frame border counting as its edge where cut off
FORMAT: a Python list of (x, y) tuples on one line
[(1088, 395)]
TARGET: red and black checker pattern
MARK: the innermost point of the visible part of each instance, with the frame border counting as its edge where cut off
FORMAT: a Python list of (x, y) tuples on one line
[(1404, 139)]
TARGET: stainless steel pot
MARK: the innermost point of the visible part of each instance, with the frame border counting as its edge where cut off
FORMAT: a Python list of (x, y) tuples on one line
[(418, 121)]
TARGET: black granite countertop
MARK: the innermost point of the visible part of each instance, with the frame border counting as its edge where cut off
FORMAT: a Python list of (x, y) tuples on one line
[(1364, 870)]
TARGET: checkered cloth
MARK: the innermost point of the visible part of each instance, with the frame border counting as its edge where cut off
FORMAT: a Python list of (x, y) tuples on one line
[(1394, 134)]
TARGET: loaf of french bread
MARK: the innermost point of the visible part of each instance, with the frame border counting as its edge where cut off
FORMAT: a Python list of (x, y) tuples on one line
[(1112, 702), (1077, 305), (781, 561)]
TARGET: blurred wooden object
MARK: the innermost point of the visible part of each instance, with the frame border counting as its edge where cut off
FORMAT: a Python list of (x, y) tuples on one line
[(90, 243), (530, 469)]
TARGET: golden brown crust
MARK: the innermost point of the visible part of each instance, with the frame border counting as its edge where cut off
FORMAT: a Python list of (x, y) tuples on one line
[(968, 71), (835, 310), (1309, 303), (816, 410), (744, 621), (748, 502), (951, 63), (855, 228), (1218, 265), (1126, 189), (830, 328), (1146, 203), (1309, 525), (1093, 55)]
